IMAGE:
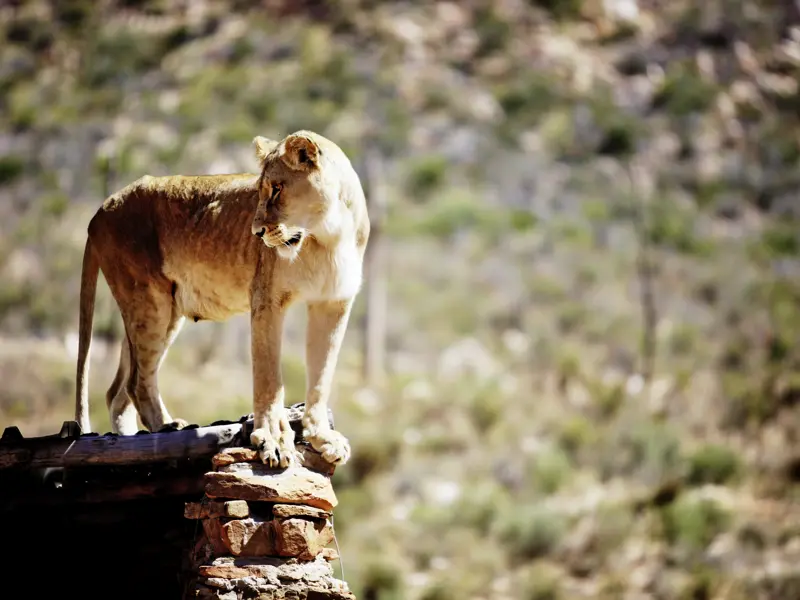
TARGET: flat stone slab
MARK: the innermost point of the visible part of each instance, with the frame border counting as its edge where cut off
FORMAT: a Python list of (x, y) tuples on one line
[(295, 485), (213, 510), (311, 459), (287, 511)]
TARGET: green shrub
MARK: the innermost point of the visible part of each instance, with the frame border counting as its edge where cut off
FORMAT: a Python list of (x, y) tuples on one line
[(531, 532), (525, 99), (572, 315), (31, 32), (425, 175), (493, 32), (648, 450), (607, 398), (485, 405), (123, 53), (455, 212), (372, 453), (683, 339), (381, 580), (11, 168), (620, 130), (781, 240), (440, 590), (703, 583), (673, 227), (550, 470), (522, 220), (54, 204), (693, 523), (480, 508), (614, 523), (684, 91), (576, 433), (541, 582), (561, 9), (713, 464)]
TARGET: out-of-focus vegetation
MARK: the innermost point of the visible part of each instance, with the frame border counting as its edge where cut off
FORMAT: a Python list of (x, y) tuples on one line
[(519, 448)]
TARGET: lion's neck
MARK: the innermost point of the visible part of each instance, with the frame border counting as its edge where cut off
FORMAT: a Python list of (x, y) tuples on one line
[(337, 266)]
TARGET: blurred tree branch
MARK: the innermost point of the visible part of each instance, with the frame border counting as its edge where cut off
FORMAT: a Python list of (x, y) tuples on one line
[(641, 192), (375, 266), (376, 255)]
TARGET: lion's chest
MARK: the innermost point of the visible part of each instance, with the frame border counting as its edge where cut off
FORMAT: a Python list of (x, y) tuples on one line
[(327, 276)]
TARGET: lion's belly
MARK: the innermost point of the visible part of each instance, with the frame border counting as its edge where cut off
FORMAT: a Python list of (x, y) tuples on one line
[(212, 296)]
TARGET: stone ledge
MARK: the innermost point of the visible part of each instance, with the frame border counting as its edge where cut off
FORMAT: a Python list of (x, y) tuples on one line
[(270, 579), (226, 459), (295, 485), (213, 510), (286, 511)]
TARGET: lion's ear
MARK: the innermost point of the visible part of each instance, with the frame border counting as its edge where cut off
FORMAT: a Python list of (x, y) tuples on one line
[(300, 153), (263, 147)]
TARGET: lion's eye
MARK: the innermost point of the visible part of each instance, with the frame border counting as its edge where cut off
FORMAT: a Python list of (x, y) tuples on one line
[(276, 189)]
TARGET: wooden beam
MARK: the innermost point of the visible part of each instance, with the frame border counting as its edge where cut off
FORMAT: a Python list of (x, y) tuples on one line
[(173, 483), (144, 448)]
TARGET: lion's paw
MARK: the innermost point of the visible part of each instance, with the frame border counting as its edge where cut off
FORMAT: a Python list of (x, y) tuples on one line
[(175, 425), (333, 446), (274, 452)]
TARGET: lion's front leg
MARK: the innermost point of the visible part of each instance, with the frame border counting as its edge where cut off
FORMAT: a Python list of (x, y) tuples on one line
[(327, 322), (272, 436)]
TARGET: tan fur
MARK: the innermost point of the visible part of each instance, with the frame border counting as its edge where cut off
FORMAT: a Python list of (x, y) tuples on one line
[(209, 247)]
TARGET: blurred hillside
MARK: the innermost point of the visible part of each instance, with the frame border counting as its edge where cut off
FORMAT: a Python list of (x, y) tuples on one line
[(595, 268)]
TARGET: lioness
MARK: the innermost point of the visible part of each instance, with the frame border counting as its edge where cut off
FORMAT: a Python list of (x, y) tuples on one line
[(209, 247)]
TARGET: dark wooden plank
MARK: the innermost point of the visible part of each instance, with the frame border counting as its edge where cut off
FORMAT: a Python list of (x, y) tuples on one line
[(176, 484), (147, 448), (118, 450)]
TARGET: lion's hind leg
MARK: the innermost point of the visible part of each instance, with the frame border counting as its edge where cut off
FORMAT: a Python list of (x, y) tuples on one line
[(122, 412), (153, 324)]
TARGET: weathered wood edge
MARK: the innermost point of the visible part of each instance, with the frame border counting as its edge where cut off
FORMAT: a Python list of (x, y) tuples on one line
[(62, 450)]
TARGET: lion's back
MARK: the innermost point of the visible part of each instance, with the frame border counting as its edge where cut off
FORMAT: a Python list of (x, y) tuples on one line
[(188, 218)]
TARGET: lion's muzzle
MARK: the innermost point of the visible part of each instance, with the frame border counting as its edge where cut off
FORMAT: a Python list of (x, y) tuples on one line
[(279, 235)]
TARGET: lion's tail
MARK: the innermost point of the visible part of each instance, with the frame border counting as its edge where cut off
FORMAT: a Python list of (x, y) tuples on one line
[(89, 273)]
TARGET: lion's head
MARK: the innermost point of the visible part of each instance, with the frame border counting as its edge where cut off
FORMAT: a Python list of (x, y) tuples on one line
[(304, 190)]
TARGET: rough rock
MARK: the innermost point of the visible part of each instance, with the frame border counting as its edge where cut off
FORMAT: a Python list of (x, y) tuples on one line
[(272, 579), (330, 554), (212, 510), (226, 459), (314, 461), (223, 572), (296, 485), (300, 537), (221, 584), (213, 531), (317, 594), (229, 456), (248, 537), (295, 537), (286, 511)]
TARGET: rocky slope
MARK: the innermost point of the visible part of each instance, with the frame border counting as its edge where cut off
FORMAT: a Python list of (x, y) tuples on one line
[(594, 251)]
